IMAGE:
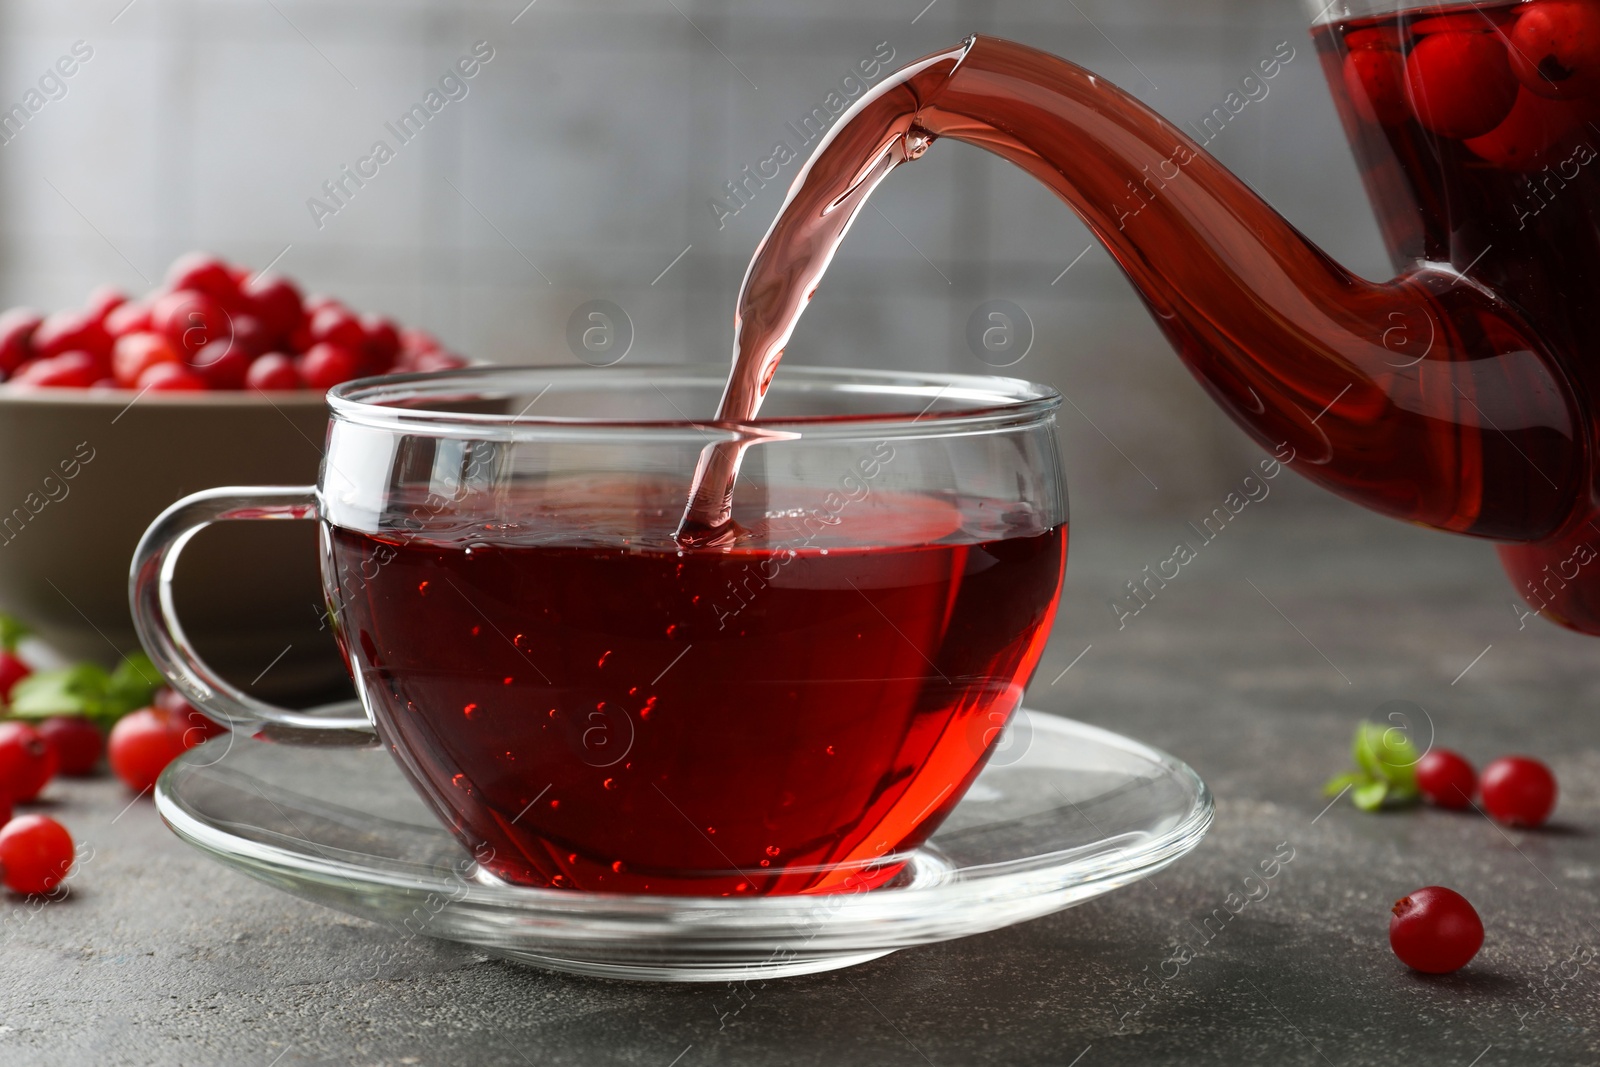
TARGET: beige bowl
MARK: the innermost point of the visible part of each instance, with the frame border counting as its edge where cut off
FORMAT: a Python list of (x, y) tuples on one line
[(82, 473)]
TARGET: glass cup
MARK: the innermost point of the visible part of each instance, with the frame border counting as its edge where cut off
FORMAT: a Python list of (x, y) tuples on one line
[(584, 703)]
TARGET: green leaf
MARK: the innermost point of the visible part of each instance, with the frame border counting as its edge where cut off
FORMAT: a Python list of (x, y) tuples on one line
[(87, 689), (131, 686), (1386, 753), (1370, 797), (79, 690), (1403, 796), (1387, 777), (11, 631), (1340, 783)]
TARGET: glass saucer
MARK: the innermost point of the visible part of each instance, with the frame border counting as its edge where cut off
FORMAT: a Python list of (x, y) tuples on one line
[(1063, 813)]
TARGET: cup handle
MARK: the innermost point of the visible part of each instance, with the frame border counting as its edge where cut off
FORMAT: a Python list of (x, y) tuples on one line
[(156, 621)]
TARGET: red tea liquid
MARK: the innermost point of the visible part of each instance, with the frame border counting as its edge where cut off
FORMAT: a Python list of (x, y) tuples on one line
[(783, 275), (1480, 203), (1459, 396), (1496, 183), (1474, 129), (588, 705)]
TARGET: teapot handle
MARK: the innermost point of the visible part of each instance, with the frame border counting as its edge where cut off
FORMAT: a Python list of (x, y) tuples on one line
[(156, 621)]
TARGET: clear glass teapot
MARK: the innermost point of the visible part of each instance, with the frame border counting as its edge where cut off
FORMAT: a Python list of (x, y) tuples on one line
[(1461, 395)]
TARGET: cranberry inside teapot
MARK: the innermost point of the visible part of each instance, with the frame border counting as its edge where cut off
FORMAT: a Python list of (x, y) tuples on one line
[(1507, 197)]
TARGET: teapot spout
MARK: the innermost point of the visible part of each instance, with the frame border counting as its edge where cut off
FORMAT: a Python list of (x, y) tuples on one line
[(1425, 397)]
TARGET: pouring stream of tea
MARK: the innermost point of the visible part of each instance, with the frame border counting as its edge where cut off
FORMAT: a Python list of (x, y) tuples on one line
[(876, 135), (1299, 351)]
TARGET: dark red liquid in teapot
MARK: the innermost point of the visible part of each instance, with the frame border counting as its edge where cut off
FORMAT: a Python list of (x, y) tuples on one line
[(1476, 130), (589, 705), (1479, 148), (1414, 397), (1458, 396)]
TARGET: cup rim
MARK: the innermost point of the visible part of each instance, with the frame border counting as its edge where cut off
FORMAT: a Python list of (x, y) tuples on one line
[(992, 402)]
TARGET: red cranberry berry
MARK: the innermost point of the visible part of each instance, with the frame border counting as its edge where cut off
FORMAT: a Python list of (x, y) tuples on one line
[(35, 853), (132, 317), (203, 273), (170, 378), (71, 331), (103, 301), (77, 742), (1477, 21), (1555, 48), (12, 667), (27, 761), (1460, 84), (1375, 79), (221, 365), (1388, 37), (137, 353), (141, 745), (250, 335), (16, 334), (276, 302), (338, 326), (1535, 125), (317, 301), (1435, 930), (190, 320), (186, 718), (381, 344), (12, 671), (1446, 779), (70, 370), (1518, 791), (216, 326), (326, 365), (273, 371)]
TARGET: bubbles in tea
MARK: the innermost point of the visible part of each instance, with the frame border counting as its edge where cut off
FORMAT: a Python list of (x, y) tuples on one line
[(589, 705)]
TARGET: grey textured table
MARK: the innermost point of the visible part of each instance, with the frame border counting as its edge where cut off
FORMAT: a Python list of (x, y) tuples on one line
[(1253, 665)]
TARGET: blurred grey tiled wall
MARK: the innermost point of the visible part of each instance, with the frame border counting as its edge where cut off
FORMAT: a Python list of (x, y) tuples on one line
[(584, 157)]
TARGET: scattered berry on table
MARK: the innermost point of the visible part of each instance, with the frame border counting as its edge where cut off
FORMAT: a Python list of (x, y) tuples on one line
[(27, 761), (1435, 930), (35, 853), (141, 745), (77, 742), (1518, 790), (12, 668), (186, 718), (1446, 779)]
